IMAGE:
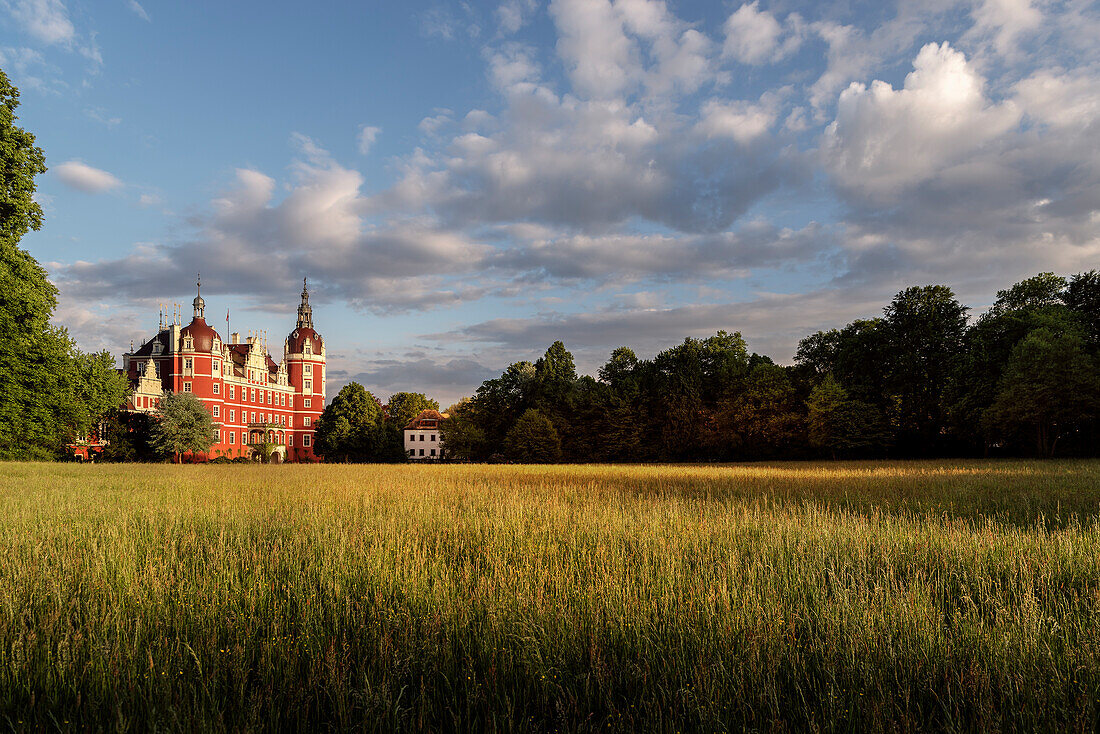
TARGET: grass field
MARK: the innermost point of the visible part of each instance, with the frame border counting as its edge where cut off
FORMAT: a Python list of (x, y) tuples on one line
[(864, 596)]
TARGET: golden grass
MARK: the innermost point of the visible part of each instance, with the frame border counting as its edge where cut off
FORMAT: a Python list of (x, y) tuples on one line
[(901, 595)]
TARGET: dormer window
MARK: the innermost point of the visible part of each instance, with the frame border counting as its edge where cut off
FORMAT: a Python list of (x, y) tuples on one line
[(217, 344), (157, 347), (308, 347), (188, 343)]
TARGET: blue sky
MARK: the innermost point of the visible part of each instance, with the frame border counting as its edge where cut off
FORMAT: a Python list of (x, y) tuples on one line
[(464, 183)]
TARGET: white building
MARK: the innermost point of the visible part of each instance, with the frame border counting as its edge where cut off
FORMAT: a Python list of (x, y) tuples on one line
[(422, 437)]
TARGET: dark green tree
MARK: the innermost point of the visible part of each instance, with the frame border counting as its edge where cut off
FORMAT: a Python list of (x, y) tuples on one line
[(533, 440), (351, 427), (842, 427), (463, 438), (763, 417), (924, 330), (1050, 386), (181, 425), (1082, 296)]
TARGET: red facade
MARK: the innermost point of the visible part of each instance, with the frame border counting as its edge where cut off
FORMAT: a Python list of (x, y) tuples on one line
[(252, 398)]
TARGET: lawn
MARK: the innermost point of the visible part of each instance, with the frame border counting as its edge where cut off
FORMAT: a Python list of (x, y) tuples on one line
[(868, 596)]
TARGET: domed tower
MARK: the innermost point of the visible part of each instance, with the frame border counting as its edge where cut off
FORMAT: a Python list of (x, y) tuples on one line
[(305, 360)]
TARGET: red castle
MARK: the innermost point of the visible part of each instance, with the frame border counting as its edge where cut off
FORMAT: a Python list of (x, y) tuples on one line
[(252, 398)]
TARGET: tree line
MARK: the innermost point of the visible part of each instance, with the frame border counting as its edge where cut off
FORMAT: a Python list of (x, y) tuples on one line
[(919, 381)]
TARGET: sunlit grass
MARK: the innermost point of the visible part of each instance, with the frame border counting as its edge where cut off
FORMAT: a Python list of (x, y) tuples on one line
[(958, 595)]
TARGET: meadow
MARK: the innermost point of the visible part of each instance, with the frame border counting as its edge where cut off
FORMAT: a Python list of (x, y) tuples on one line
[(896, 596)]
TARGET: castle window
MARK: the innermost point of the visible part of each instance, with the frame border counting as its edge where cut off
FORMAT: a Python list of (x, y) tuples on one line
[(421, 438), (308, 402), (305, 440), (157, 347), (421, 452), (187, 387), (217, 411), (308, 348), (232, 393), (433, 437), (188, 364), (217, 389), (306, 421), (251, 394), (217, 435), (232, 437), (244, 437), (309, 369), (217, 366), (269, 397), (253, 418), (289, 421), (433, 452), (309, 385), (290, 440), (232, 416)]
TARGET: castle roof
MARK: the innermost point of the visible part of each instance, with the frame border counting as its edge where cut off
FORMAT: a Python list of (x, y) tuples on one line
[(425, 419), (201, 333)]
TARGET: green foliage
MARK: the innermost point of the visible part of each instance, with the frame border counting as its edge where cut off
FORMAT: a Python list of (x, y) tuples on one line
[(843, 427), (533, 440), (49, 391), (1050, 385), (181, 425), (129, 437), (351, 427), (462, 437)]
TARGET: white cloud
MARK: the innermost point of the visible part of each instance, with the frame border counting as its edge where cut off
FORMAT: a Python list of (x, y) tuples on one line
[(884, 140), (600, 58), (1005, 21), (739, 120), (514, 14), (46, 20), (138, 10), (754, 36), (1061, 100), (367, 135), (85, 178)]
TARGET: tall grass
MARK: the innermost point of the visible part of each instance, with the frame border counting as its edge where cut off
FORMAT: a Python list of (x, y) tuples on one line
[(902, 596)]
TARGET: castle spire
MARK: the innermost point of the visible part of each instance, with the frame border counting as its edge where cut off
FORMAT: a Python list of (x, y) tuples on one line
[(305, 311), (198, 303)]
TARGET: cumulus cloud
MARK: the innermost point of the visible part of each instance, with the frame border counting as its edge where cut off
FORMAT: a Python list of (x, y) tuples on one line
[(884, 140), (83, 177), (754, 36)]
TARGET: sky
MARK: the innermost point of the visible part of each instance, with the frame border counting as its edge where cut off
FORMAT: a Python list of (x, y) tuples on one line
[(465, 182)]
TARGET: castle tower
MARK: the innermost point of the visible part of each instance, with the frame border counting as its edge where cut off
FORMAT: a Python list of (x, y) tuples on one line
[(305, 362)]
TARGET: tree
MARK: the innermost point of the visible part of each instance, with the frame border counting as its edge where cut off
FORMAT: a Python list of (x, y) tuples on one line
[(181, 425), (763, 416), (49, 391), (841, 426), (350, 428), (402, 408), (128, 437), (462, 438), (924, 327), (533, 440), (1050, 386), (1082, 295), (1044, 289)]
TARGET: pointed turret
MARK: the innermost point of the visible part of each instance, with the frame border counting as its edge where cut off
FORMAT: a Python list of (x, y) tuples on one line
[(305, 311)]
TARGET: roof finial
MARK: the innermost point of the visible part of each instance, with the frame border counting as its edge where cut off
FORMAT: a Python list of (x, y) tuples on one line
[(198, 303)]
